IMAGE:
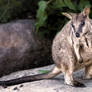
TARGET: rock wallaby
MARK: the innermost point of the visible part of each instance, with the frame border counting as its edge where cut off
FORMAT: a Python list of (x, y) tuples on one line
[(71, 51)]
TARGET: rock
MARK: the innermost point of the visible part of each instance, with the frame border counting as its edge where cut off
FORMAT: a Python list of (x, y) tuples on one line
[(21, 48), (50, 85)]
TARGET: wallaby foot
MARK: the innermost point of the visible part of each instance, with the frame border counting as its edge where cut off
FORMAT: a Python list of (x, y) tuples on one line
[(88, 72), (69, 80), (80, 60), (77, 84), (74, 83)]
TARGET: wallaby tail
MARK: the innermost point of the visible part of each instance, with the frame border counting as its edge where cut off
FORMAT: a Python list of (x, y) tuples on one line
[(51, 74)]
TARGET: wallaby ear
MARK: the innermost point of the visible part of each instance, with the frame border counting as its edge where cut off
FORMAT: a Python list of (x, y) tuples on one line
[(86, 11), (68, 15)]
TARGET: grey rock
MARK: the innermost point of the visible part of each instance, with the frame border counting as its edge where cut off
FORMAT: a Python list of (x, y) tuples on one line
[(20, 47)]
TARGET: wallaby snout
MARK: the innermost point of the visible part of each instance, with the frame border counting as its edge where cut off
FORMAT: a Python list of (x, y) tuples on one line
[(77, 34)]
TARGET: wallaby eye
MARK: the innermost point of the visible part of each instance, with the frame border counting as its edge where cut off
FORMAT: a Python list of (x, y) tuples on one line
[(82, 23), (72, 25)]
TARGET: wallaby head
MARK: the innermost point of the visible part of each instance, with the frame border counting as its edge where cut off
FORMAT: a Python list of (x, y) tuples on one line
[(79, 22)]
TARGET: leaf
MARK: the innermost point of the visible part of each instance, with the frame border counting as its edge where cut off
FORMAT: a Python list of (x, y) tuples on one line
[(58, 4), (42, 6), (84, 4), (41, 21), (43, 71), (41, 14), (69, 4)]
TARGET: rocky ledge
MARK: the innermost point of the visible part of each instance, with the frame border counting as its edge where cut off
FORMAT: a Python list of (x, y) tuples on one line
[(51, 85)]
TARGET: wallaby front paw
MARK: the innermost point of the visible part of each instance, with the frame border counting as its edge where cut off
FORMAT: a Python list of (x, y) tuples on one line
[(80, 60)]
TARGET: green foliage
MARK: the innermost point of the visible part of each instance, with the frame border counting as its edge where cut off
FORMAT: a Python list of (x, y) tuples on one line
[(69, 4), (58, 4), (83, 3), (49, 18), (41, 14)]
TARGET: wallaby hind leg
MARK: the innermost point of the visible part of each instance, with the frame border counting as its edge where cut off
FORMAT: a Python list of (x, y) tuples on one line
[(88, 72), (54, 72), (68, 76)]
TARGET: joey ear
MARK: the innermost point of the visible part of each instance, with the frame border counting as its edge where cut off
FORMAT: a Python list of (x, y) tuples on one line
[(68, 15), (86, 11)]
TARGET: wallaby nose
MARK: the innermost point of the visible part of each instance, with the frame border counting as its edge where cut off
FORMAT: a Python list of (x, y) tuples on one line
[(77, 35)]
